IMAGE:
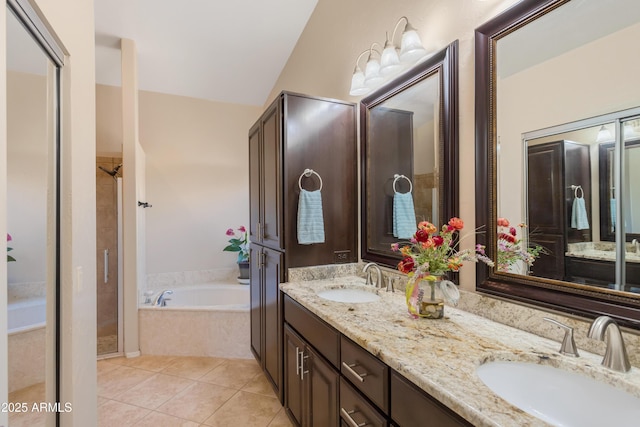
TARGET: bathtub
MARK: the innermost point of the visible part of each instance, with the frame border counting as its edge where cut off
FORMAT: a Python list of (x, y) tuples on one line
[(202, 320), (26, 342)]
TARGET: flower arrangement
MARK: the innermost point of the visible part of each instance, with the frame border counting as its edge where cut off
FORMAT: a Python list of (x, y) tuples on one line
[(432, 255), (9, 257), (238, 243), (511, 249)]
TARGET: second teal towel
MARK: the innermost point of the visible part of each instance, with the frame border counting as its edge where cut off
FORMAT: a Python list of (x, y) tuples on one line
[(310, 220)]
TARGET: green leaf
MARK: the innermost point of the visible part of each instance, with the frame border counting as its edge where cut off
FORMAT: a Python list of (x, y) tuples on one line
[(10, 258), (232, 248)]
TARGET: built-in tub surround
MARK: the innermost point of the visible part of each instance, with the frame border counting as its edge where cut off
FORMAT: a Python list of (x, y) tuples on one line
[(176, 279), (441, 356), (204, 320), (605, 251)]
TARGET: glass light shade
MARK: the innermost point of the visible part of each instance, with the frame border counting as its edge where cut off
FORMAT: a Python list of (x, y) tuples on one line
[(411, 47), (604, 135), (357, 84), (372, 75), (629, 132), (389, 61)]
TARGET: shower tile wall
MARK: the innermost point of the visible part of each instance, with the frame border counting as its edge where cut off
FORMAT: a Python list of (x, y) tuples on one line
[(107, 238)]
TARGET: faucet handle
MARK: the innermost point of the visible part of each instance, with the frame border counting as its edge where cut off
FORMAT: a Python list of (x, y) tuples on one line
[(568, 346)]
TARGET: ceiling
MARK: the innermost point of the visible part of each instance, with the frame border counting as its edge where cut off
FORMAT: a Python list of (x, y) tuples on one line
[(227, 51)]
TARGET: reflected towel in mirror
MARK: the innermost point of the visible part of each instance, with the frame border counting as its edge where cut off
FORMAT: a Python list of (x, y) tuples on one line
[(404, 216), (579, 219), (310, 219)]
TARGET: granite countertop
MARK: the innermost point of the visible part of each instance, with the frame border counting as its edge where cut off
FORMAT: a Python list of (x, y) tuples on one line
[(603, 251), (441, 356)]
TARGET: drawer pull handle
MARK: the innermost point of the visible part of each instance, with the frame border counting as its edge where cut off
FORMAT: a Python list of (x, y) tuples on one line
[(302, 371), (346, 415), (359, 377), (298, 354)]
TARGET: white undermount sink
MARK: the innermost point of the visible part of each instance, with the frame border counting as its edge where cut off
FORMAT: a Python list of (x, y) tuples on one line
[(348, 295), (560, 397)]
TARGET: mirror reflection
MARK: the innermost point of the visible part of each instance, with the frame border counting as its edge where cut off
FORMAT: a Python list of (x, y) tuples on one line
[(402, 166), (31, 224), (559, 69)]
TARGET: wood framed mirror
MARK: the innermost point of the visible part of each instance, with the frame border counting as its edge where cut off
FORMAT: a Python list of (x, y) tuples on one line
[(537, 83), (409, 145)]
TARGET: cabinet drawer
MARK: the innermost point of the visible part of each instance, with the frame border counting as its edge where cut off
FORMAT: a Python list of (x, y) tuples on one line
[(366, 372), (411, 406), (321, 336), (354, 406)]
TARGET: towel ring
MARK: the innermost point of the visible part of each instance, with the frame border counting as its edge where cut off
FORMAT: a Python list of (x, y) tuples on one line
[(575, 189), (307, 173), (396, 178)]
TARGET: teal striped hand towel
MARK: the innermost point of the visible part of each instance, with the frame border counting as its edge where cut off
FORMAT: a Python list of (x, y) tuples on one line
[(404, 216), (310, 220), (579, 219)]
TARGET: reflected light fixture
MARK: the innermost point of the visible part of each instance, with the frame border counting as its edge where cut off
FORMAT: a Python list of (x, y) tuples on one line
[(604, 135), (393, 60)]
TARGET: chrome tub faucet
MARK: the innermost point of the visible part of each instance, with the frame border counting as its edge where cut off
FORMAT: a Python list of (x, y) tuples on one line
[(161, 299)]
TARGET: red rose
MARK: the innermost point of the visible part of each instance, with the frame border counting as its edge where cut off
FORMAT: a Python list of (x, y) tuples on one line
[(406, 265), (508, 237), (437, 241), (512, 230), (422, 235)]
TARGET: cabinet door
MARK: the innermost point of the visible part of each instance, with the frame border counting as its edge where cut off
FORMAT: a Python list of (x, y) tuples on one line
[(323, 386), (272, 263), (293, 390), (256, 301), (255, 183), (272, 179)]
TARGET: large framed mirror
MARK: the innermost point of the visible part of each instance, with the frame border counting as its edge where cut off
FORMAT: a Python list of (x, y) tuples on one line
[(33, 70), (556, 102), (409, 140)]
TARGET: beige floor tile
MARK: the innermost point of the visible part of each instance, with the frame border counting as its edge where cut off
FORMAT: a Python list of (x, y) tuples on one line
[(233, 373), (281, 420), (27, 419), (157, 419), (102, 400), (118, 414), (260, 385), (149, 362), (192, 367), (154, 391), (33, 393), (245, 409), (117, 381), (107, 365), (197, 402)]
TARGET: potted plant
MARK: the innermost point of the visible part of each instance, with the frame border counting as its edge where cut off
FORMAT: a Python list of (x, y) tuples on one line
[(239, 243), (514, 255)]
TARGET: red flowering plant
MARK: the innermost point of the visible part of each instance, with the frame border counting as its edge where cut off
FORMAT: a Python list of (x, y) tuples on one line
[(512, 249), (431, 255)]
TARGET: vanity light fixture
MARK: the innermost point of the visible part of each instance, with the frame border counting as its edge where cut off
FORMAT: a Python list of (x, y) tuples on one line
[(393, 60)]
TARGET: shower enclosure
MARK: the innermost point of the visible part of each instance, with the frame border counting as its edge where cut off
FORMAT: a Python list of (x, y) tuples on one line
[(109, 253)]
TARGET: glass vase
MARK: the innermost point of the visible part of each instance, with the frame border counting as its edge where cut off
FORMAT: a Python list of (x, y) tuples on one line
[(426, 296)]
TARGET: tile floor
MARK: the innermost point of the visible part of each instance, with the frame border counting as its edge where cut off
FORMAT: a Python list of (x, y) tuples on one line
[(161, 391)]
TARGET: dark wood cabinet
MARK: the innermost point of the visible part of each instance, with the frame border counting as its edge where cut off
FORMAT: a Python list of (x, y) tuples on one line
[(602, 273), (296, 132), (552, 168), (265, 312), (311, 393)]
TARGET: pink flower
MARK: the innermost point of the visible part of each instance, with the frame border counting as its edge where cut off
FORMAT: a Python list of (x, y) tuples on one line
[(230, 232), (512, 230), (9, 237), (395, 247), (242, 229)]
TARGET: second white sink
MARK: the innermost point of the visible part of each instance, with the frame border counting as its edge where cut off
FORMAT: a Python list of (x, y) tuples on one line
[(348, 295), (560, 397)]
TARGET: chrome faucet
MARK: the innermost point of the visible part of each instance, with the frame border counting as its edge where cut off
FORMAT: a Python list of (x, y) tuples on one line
[(636, 245), (378, 283), (615, 357), (161, 299)]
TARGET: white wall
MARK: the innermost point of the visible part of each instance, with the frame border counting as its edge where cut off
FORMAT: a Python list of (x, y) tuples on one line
[(197, 176)]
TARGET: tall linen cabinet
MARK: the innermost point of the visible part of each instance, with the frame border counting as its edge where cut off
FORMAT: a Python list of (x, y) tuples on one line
[(295, 133)]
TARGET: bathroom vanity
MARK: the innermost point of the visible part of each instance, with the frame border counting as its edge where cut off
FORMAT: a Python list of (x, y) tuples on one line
[(353, 363)]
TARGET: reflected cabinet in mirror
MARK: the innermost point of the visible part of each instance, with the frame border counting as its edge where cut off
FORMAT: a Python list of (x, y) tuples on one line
[(409, 155), (558, 155)]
